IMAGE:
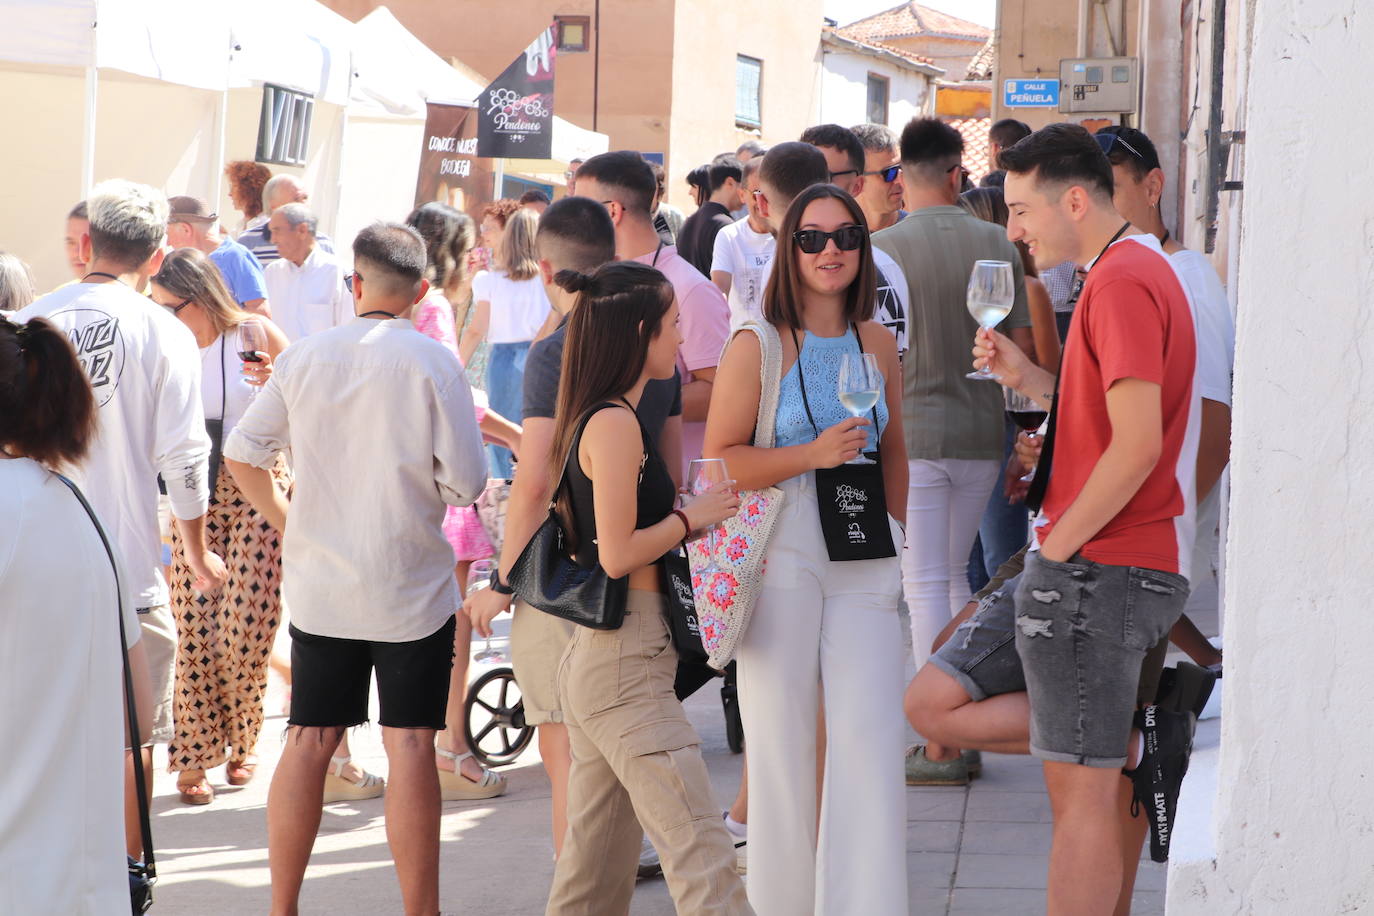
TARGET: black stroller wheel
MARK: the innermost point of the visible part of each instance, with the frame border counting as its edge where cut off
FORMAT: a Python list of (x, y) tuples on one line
[(494, 719)]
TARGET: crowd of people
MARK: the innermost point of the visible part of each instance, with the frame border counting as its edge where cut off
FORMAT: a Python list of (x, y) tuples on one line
[(588, 349)]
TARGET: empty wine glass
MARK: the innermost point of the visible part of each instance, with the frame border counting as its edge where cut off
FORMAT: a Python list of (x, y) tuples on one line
[(479, 577), (702, 475), (860, 384), (252, 341), (1027, 414), (991, 292)]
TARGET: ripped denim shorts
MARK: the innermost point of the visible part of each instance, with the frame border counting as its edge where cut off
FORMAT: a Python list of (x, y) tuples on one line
[(1073, 636)]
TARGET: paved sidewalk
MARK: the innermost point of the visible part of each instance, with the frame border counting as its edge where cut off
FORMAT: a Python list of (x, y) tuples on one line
[(979, 850)]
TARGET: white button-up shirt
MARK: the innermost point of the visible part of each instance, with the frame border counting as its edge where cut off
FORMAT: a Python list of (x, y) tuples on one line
[(308, 299), (383, 437)]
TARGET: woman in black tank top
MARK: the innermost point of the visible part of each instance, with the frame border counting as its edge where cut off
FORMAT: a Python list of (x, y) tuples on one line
[(632, 747)]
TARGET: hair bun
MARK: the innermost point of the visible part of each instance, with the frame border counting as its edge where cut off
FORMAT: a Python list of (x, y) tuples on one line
[(574, 281)]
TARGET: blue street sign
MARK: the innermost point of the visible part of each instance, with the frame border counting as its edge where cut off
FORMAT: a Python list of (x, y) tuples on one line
[(1030, 93)]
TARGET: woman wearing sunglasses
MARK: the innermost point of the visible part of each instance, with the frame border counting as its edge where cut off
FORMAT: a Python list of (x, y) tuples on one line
[(223, 639), (826, 619)]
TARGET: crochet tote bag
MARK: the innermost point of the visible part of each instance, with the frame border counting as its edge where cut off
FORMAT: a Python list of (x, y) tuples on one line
[(725, 598)]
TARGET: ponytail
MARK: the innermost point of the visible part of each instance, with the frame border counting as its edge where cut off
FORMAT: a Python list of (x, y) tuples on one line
[(47, 409)]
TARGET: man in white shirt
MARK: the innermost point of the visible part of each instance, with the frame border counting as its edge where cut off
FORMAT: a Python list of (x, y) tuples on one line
[(743, 254), (306, 284), (380, 422), (144, 368), (1138, 185)]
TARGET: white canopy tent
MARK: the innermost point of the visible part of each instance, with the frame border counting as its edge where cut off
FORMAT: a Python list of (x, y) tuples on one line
[(167, 91)]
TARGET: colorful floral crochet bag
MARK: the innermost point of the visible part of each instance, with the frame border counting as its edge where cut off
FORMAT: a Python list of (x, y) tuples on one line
[(725, 599)]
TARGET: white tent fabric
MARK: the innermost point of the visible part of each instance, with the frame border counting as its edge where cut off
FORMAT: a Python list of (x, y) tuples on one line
[(298, 44), (159, 39), (398, 73)]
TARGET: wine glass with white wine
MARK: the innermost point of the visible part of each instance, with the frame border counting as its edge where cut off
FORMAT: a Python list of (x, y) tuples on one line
[(860, 384), (991, 292)]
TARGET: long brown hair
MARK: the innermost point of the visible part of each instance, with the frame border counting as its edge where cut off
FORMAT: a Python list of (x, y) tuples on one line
[(782, 297), (449, 235), (188, 273), (619, 311), (47, 408)]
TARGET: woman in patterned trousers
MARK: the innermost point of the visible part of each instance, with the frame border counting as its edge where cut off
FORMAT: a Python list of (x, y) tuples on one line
[(224, 639)]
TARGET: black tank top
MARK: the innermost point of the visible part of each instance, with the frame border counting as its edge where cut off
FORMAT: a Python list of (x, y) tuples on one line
[(656, 495)]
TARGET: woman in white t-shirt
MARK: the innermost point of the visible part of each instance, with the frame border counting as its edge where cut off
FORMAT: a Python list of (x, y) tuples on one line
[(61, 723), (223, 639), (511, 308)]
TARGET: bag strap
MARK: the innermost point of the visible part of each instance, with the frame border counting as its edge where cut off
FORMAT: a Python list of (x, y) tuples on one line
[(144, 824), (577, 438), (770, 379)]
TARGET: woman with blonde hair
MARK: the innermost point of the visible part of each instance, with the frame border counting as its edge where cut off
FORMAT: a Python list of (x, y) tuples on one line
[(223, 639), (511, 306)]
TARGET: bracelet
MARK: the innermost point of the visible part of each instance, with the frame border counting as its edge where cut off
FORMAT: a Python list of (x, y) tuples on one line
[(498, 586), (685, 524)]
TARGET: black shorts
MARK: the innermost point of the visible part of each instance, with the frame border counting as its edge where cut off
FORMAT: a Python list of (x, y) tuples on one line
[(331, 679)]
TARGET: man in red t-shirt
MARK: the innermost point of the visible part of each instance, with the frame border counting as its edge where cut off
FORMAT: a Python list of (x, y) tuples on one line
[(1049, 665)]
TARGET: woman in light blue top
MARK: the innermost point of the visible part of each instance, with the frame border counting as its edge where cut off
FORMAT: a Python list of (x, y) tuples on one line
[(826, 619)]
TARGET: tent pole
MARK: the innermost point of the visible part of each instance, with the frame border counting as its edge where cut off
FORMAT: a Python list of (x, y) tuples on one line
[(500, 175), (221, 144), (88, 145)]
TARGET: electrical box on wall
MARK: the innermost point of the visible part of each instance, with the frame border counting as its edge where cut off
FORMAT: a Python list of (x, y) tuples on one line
[(1101, 85)]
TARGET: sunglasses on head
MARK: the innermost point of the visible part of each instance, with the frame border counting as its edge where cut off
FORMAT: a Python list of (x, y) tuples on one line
[(813, 241), (1109, 142), (889, 174)]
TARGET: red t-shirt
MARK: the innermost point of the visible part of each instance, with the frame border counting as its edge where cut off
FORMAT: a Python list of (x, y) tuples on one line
[(1133, 320)]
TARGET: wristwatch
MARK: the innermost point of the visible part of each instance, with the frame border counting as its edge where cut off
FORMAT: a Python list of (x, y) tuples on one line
[(498, 586)]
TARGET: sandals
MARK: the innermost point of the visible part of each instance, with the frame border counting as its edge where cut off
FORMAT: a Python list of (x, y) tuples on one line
[(457, 787), (204, 793), (336, 788), (241, 772)]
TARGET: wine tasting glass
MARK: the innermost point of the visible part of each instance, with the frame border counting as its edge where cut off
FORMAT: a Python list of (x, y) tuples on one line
[(479, 577), (991, 291), (702, 475), (1026, 414), (860, 384), (252, 341)]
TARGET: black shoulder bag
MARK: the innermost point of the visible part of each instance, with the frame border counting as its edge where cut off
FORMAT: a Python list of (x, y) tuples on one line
[(142, 875), (546, 577), (851, 497)]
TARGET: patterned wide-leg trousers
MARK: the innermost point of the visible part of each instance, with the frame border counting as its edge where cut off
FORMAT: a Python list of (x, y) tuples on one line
[(224, 640)]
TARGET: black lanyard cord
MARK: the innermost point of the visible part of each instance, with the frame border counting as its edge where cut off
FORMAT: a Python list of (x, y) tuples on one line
[(806, 402)]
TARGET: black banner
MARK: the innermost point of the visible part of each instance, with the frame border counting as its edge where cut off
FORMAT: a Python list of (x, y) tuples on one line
[(449, 168), (515, 113)]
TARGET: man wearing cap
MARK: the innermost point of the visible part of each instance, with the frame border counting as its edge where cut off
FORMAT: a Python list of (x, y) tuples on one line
[(192, 225)]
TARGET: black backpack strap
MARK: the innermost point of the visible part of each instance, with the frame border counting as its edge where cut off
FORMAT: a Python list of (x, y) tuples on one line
[(144, 823)]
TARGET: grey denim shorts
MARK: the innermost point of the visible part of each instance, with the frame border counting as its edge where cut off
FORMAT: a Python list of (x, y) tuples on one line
[(1073, 636)]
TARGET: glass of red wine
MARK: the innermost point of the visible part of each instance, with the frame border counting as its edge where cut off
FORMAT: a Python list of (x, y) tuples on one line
[(252, 341), (1027, 414)]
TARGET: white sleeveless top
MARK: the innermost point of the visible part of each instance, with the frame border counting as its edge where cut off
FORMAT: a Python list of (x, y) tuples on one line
[(224, 352)]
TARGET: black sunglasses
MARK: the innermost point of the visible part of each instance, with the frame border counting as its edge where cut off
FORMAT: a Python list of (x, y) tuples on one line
[(175, 309), (1108, 141), (813, 241), (889, 174), (834, 175), (348, 280)]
